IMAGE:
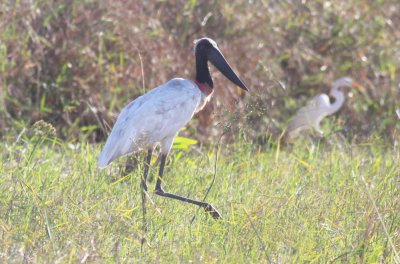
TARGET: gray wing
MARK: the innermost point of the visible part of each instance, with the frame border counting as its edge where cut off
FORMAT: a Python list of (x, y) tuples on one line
[(151, 118)]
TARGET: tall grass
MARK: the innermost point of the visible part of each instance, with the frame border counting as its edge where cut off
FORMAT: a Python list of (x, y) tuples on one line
[(310, 203)]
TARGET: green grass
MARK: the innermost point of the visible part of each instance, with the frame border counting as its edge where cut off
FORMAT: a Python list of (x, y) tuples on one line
[(299, 204)]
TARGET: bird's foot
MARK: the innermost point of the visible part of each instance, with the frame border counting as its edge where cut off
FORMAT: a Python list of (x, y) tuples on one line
[(159, 190), (209, 208)]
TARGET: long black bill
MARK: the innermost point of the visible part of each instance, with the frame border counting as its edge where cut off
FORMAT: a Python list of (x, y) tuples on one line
[(218, 60)]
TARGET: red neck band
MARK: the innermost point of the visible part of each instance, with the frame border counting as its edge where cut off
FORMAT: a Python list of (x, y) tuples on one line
[(204, 88)]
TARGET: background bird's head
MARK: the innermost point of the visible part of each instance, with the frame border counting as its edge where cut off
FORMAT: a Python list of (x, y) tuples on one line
[(344, 83)]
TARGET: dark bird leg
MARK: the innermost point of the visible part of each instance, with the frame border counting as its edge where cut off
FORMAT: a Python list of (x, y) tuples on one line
[(159, 191), (144, 191)]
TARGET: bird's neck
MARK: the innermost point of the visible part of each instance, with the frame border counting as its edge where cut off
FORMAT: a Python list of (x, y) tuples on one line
[(203, 75), (339, 101), (204, 88)]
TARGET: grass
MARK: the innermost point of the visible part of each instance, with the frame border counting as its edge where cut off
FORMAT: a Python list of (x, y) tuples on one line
[(63, 61), (303, 203)]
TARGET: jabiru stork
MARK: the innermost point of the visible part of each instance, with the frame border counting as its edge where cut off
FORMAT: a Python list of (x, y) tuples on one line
[(311, 115), (156, 117)]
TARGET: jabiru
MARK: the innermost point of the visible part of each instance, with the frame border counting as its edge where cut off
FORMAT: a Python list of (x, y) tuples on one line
[(156, 117)]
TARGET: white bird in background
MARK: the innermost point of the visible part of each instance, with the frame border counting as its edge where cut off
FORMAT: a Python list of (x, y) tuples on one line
[(319, 107), (398, 113), (156, 117)]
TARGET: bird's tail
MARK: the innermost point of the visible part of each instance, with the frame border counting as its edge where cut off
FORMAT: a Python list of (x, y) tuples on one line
[(108, 154), (112, 150), (103, 160)]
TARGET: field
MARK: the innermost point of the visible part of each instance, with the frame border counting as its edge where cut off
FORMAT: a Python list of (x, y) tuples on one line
[(312, 203), (69, 67)]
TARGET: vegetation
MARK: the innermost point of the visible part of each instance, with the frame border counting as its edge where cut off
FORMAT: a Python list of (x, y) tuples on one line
[(65, 65), (305, 205), (58, 58)]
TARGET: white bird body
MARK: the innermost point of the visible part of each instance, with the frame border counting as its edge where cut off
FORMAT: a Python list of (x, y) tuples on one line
[(154, 118), (311, 115), (157, 116)]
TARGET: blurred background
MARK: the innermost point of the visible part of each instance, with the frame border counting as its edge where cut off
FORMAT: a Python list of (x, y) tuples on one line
[(72, 62)]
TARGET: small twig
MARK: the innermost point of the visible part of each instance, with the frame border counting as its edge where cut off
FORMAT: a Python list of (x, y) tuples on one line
[(215, 166), (48, 227), (339, 257), (152, 202), (46, 218), (33, 151), (142, 70), (263, 248), (396, 255), (19, 136), (99, 118), (215, 172)]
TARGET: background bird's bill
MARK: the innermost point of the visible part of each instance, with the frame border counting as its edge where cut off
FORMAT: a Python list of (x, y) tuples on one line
[(217, 59), (358, 85)]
